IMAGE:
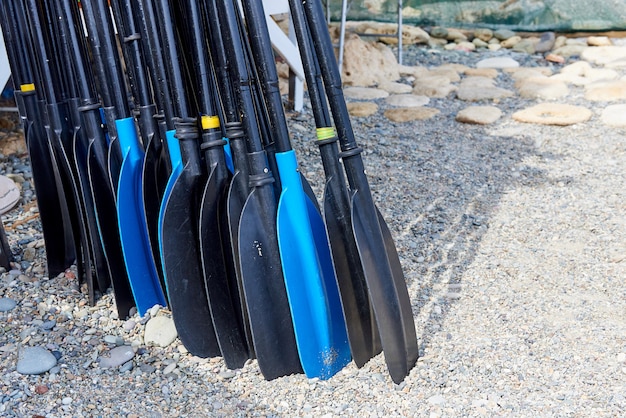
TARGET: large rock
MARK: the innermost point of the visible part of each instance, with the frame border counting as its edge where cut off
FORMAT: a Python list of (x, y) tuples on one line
[(553, 114), (9, 194), (367, 63), (35, 360), (407, 100), (604, 55), (160, 331), (393, 87)]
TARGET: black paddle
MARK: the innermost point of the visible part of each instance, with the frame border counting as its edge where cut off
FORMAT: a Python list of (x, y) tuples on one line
[(53, 210), (222, 289), (60, 138), (259, 256), (96, 158), (179, 237), (383, 271)]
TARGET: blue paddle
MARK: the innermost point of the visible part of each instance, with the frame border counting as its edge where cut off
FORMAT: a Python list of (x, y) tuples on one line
[(307, 264)]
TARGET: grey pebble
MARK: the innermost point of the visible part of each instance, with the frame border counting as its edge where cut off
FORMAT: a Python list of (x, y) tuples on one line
[(147, 368), (7, 304), (35, 360), (117, 357), (126, 367), (48, 325), (110, 339)]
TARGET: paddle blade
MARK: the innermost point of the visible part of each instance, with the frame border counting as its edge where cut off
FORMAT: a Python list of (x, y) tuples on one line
[(222, 291), (389, 298), (264, 287), (358, 313), (309, 277)]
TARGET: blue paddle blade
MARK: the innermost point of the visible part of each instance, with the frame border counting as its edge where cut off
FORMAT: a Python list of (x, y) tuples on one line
[(142, 272), (176, 160), (228, 154), (310, 280)]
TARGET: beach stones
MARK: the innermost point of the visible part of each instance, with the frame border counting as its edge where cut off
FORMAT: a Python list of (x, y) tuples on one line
[(480, 115), (35, 360)]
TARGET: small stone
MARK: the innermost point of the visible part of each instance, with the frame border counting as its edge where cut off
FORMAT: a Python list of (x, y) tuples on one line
[(553, 114), (480, 88), (110, 339), (160, 331), (546, 42), (29, 254), (433, 86), (479, 43), (606, 91), (482, 72), (393, 87), (494, 47), (129, 325), (483, 34), (615, 116), (621, 357), (364, 93), (497, 62), (603, 55), (557, 59), (362, 109), (503, 34), (126, 367), (66, 401), (41, 389), (147, 368), (407, 100), (48, 325), (169, 369), (456, 35), (446, 71), (511, 42), (35, 360), (465, 46), (525, 45), (7, 304), (568, 51), (482, 115), (599, 41), (439, 32), (117, 356), (227, 374), (410, 114), (560, 41), (415, 71), (542, 88)]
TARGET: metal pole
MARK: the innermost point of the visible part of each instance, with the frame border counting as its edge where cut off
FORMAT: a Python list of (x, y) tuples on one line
[(342, 33), (400, 32)]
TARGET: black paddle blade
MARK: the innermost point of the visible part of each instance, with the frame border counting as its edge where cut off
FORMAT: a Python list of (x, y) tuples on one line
[(360, 320), (155, 173), (264, 287), (235, 201), (182, 267), (53, 211), (390, 299), (222, 290)]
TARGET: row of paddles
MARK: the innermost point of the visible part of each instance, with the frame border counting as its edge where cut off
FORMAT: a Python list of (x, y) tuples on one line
[(163, 169)]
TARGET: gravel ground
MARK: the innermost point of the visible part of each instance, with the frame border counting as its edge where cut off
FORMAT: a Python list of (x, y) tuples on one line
[(513, 242)]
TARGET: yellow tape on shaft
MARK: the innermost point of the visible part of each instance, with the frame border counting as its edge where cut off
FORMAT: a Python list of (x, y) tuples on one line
[(210, 122), (325, 133), (25, 88)]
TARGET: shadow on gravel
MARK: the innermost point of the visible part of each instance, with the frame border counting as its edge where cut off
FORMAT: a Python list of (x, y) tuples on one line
[(438, 185)]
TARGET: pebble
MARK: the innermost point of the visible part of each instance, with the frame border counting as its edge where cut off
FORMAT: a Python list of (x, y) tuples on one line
[(511, 42), (117, 357), (606, 91), (480, 88), (393, 87), (129, 325), (543, 88), (546, 42), (482, 115), (437, 86), (7, 304), (66, 401), (503, 34), (525, 45), (160, 331), (41, 389), (35, 360)]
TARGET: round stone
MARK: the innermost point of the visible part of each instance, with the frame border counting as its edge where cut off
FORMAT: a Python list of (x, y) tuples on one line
[(614, 115), (364, 93), (35, 360), (362, 109), (160, 331), (9, 194), (407, 100), (553, 114), (481, 115), (7, 304), (410, 114)]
